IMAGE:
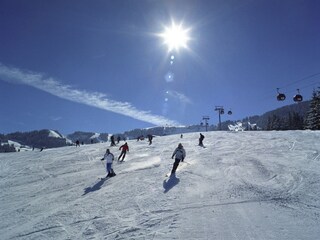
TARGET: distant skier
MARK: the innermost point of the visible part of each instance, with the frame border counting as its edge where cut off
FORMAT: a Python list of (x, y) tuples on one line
[(201, 140), (77, 143), (118, 139), (181, 136), (179, 154), (108, 156), (150, 137), (112, 141), (124, 148)]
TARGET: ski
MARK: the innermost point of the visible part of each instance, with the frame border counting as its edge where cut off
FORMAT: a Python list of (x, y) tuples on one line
[(103, 178), (106, 177), (182, 165), (184, 162)]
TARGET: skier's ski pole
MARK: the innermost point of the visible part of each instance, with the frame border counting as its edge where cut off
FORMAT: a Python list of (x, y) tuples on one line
[(102, 164)]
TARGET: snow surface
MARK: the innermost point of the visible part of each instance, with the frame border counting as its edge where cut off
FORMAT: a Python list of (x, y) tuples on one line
[(96, 135), (18, 146), (54, 134), (243, 185), (15, 144)]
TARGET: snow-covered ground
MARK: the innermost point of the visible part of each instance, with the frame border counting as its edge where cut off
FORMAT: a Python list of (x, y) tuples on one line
[(54, 134), (243, 185)]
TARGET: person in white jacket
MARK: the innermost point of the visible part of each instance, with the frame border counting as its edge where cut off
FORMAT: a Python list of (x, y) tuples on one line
[(109, 157), (179, 154)]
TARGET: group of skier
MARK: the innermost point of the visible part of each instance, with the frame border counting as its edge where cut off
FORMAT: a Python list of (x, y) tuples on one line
[(178, 155), (109, 157)]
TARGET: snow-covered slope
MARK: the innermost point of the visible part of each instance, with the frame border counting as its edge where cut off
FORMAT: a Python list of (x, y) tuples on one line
[(54, 134), (243, 185)]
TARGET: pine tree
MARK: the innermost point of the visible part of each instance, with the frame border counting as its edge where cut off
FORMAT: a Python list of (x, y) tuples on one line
[(289, 122), (297, 121), (313, 115), (275, 123)]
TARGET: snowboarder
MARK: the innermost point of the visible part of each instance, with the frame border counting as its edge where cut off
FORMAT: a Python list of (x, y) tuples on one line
[(179, 154), (108, 156), (124, 150), (201, 140)]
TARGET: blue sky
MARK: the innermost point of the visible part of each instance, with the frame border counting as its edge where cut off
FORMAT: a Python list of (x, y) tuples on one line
[(101, 66)]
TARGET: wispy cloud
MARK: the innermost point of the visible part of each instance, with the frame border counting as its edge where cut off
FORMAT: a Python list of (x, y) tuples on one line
[(55, 118), (94, 99), (180, 96)]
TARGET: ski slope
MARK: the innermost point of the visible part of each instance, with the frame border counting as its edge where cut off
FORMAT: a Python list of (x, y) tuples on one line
[(243, 185)]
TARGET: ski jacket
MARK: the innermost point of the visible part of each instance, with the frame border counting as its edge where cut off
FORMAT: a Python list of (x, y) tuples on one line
[(108, 157), (124, 147), (179, 153)]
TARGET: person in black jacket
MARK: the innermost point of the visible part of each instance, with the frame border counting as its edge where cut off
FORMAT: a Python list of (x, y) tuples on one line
[(112, 141), (201, 140), (150, 137)]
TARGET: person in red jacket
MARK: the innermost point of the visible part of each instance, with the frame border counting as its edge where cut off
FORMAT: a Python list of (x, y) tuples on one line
[(124, 150)]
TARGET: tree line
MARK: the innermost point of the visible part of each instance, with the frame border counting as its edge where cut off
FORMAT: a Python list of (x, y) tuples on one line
[(295, 121)]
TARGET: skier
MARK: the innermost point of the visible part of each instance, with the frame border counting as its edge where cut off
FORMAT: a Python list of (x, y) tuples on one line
[(124, 148), (108, 156), (201, 140), (77, 143), (118, 139), (112, 141), (179, 154), (150, 137)]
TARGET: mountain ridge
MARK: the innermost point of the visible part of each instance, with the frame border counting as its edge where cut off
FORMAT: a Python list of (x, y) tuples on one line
[(46, 138)]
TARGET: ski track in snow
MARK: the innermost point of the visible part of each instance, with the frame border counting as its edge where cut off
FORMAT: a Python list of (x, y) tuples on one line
[(244, 185)]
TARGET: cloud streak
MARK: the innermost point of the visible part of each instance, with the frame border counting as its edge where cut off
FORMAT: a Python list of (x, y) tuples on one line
[(94, 99), (180, 96)]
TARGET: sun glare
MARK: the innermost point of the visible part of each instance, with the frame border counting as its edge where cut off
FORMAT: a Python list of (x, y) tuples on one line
[(175, 37)]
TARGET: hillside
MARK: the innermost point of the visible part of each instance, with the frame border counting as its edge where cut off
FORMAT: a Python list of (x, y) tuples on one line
[(35, 139), (283, 112), (46, 139), (245, 185)]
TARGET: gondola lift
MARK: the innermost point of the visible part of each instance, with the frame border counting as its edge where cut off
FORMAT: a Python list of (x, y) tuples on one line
[(229, 112), (280, 96), (298, 97)]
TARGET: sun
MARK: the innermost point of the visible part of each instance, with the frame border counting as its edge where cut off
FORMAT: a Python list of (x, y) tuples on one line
[(175, 37)]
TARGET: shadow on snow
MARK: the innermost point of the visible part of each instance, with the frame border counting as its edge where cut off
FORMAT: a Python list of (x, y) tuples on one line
[(95, 187), (170, 183)]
